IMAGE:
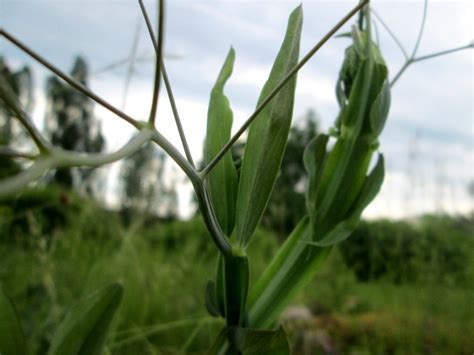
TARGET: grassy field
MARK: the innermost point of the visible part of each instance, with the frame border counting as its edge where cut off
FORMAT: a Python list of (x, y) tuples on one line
[(56, 248)]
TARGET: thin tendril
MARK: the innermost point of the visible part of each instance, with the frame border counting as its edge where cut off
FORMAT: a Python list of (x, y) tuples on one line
[(159, 51), (169, 90), (420, 34)]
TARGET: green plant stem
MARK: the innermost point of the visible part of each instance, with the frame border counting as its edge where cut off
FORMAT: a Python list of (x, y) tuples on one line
[(159, 55), (166, 80), (210, 219), (278, 87), (58, 158)]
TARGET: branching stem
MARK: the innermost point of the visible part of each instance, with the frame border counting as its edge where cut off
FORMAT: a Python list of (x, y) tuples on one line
[(166, 80), (411, 59)]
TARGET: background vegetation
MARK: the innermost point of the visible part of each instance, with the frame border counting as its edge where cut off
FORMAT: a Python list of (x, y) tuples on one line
[(394, 287)]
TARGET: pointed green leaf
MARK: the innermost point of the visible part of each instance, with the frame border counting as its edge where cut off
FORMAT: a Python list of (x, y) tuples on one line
[(12, 339), (222, 180), (371, 187), (210, 299), (381, 106), (85, 328), (261, 342), (344, 229), (313, 158), (267, 136)]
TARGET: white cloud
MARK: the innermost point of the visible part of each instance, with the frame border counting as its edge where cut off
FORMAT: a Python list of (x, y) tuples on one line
[(434, 98)]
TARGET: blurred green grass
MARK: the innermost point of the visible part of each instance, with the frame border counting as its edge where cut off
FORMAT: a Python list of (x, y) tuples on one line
[(56, 247)]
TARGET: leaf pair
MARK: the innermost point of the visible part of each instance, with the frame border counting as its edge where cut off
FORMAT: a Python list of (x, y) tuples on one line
[(244, 202)]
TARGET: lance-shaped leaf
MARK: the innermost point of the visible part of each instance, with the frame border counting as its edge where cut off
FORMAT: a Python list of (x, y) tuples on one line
[(85, 328), (222, 180), (370, 189), (12, 339), (380, 107), (210, 299), (267, 136), (314, 158)]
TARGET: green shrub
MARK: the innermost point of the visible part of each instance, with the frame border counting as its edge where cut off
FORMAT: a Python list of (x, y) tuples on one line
[(431, 249)]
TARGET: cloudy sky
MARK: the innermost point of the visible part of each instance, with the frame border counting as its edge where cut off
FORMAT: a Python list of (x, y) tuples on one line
[(428, 140)]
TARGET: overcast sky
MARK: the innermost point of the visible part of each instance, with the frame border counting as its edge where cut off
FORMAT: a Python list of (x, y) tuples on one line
[(428, 139)]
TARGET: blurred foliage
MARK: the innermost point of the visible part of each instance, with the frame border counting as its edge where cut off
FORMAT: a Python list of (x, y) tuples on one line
[(71, 125), (57, 246), (145, 190), (436, 247), (21, 82)]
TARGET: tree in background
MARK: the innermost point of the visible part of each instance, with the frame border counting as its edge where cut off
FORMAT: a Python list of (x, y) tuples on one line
[(287, 203), (147, 186), (10, 131), (71, 124)]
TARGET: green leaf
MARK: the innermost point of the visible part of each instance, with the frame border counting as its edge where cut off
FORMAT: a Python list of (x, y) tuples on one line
[(381, 106), (85, 328), (314, 158), (290, 270), (222, 180), (268, 136), (261, 342), (12, 339), (210, 299), (370, 189)]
